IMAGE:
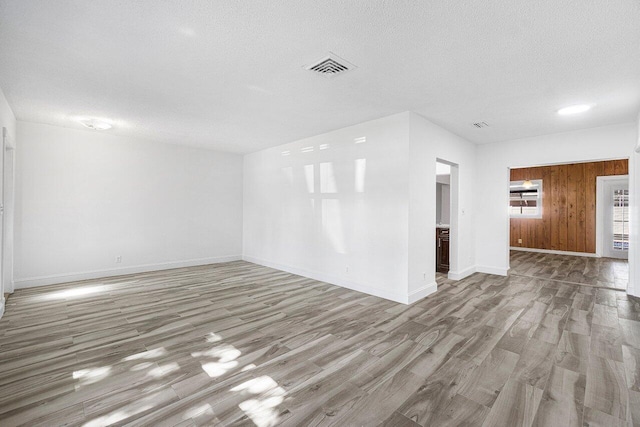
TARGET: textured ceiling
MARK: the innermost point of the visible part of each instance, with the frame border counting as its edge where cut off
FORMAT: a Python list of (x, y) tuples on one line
[(229, 75)]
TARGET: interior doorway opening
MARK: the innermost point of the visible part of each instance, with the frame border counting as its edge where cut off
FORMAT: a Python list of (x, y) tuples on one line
[(446, 205), (571, 222), (613, 218)]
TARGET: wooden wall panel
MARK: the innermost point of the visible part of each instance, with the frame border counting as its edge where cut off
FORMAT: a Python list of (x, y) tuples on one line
[(568, 220)]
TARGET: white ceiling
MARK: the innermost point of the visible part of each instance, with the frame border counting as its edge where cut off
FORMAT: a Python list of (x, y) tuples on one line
[(229, 75)]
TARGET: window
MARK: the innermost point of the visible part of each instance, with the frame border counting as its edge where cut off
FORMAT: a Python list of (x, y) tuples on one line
[(525, 199), (621, 220)]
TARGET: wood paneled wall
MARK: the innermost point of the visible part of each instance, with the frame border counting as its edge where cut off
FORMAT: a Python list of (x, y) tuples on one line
[(568, 220)]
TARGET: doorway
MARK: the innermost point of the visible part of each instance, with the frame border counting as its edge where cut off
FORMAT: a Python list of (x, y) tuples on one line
[(583, 213), (446, 225), (613, 216)]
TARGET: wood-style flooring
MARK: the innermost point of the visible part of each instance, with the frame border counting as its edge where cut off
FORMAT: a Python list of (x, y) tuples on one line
[(241, 344), (603, 272)]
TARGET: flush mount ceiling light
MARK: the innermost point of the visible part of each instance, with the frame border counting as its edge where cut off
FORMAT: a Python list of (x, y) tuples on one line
[(95, 124), (574, 109)]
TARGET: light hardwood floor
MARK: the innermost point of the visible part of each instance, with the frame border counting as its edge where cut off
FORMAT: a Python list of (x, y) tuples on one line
[(240, 344)]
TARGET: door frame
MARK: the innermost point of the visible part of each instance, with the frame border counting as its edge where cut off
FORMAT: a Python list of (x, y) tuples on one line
[(7, 194), (454, 218), (601, 183)]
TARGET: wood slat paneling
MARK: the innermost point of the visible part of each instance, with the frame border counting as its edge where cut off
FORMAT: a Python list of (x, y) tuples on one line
[(568, 206)]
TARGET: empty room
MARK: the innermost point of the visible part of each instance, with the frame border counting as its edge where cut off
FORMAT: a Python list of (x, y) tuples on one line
[(300, 213)]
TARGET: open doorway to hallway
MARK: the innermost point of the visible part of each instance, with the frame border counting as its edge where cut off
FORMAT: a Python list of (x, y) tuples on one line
[(570, 222)]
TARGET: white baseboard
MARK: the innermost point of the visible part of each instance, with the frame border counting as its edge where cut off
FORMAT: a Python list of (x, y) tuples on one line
[(551, 251), (53, 279), (498, 271), (334, 280), (459, 275), (422, 293)]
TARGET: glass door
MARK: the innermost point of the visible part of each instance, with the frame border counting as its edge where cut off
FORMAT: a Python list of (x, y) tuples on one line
[(616, 220)]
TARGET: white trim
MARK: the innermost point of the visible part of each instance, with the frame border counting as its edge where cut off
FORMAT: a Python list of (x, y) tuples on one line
[(454, 215), (1, 307), (459, 275), (99, 274), (8, 200), (338, 281), (423, 292), (498, 271), (552, 251), (599, 214)]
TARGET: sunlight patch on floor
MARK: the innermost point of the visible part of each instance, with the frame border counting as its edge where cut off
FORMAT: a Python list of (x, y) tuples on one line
[(213, 337), (218, 369), (131, 409), (262, 409), (163, 370), (226, 355), (75, 292), (198, 411), (91, 375), (149, 354)]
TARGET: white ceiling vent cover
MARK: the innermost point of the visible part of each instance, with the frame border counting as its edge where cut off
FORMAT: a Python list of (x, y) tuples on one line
[(331, 66)]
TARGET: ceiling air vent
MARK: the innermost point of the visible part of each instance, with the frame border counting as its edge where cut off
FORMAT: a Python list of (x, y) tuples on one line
[(331, 66), (481, 125)]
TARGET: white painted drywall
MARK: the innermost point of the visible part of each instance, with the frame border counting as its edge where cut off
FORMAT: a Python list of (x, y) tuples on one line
[(445, 204), (84, 197), (7, 120), (494, 160), (358, 214), (429, 143), (439, 203), (333, 202), (634, 190)]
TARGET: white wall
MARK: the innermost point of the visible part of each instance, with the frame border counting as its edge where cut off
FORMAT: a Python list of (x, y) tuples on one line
[(429, 143), (443, 198), (83, 198), (445, 204), (7, 120), (494, 160), (333, 202), (374, 233), (634, 189), (439, 203)]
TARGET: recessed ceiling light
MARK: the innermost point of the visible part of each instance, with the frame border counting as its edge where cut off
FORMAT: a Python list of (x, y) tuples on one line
[(95, 124), (574, 109)]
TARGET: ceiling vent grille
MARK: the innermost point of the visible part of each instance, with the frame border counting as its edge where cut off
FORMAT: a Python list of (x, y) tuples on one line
[(331, 66), (481, 125)]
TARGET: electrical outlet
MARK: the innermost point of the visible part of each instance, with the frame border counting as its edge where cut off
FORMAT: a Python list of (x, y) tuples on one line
[(519, 240), (118, 259), (347, 270), (424, 275)]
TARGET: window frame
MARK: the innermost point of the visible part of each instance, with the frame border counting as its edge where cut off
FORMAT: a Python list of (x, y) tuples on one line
[(540, 194)]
